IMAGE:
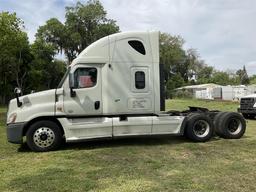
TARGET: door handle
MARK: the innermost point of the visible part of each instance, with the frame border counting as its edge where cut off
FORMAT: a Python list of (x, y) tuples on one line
[(97, 105)]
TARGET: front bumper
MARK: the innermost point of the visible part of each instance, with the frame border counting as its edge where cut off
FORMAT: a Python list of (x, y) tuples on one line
[(15, 132), (247, 111)]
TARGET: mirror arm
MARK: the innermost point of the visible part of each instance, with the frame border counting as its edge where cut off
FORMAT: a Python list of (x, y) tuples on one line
[(71, 85), (72, 92), (19, 103)]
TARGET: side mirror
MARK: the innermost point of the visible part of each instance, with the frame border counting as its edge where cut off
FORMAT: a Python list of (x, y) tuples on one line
[(17, 92), (72, 85)]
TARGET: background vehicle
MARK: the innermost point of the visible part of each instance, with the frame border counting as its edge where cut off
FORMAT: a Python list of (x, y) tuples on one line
[(114, 88), (248, 106)]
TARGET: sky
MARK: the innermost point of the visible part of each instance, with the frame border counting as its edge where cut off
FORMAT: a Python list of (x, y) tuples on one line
[(222, 31)]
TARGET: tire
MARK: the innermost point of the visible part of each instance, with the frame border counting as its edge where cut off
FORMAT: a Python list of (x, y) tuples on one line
[(44, 136), (231, 125), (248, 116), (217, 125), (199, 127)]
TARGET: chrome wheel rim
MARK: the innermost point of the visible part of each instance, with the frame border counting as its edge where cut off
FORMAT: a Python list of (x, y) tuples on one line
[(44, 137), (201, 128), (234, 126)]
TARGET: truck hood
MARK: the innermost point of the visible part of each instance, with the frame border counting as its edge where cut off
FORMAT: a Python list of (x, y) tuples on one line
[(32, 105), (249, 96)]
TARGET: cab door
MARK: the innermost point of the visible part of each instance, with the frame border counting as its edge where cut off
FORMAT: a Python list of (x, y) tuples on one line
[(87, 97)]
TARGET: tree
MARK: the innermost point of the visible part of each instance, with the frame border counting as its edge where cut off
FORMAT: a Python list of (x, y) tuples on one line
[(204, 74), (14, 54), (220, 77), (85, 23), (53, 32), (177, 60), (174, 82), (253, 79), (46, 72), (194, 64), (243, 76), (171, 53)]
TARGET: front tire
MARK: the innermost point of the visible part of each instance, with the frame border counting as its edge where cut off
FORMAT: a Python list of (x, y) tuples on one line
[(44, 136), (199, 127)]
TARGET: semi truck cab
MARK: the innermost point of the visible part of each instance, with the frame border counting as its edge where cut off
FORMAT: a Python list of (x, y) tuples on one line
[(248, 106), (114, 88)]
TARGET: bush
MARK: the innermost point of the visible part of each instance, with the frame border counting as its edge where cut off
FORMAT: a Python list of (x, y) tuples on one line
[(182, 94)]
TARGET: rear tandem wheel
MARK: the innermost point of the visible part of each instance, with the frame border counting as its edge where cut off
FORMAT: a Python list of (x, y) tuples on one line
[(199, 127), (229, 125)]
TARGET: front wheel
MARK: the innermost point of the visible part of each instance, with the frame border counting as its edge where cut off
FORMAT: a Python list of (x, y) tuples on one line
[(199, 127), (44, 136)]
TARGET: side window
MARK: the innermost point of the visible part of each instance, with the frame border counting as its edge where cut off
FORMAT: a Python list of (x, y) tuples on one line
[(138, 46), (139, 79), (85, 77)]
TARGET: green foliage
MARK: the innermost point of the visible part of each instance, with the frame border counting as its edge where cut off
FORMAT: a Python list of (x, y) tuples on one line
[(178, 64), (46, 72), (221, 78), (185, 94), (204, 74), (34, 67), (15, 54), (253, 79), (189, 66), (85, 23), (30, 67), (174, 82), (243, 76), (172, 55), (53, 31)]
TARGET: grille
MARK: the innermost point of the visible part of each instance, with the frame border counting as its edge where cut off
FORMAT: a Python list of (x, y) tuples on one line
[(247, 103)]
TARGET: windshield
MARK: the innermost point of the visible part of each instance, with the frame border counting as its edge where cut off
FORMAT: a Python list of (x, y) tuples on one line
[(63, 78)]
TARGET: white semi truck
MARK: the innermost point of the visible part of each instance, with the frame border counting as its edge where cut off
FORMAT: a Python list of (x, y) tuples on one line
[(248, 106), (114, 88)]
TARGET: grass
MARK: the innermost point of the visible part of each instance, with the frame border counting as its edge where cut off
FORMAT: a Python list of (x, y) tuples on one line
[(152, 164), (181, 104)]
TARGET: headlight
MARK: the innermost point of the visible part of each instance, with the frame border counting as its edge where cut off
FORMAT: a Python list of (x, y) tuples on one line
[(12, 118)]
